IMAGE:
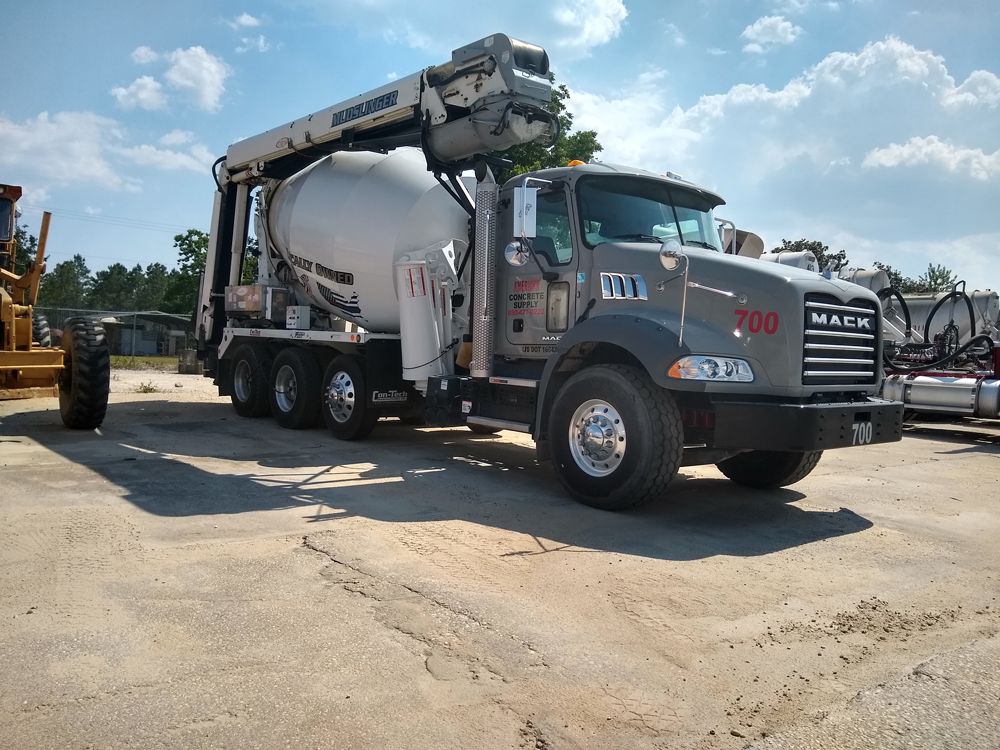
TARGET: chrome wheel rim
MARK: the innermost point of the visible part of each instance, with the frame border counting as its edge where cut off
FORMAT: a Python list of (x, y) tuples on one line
[(285, 388), (597, 438), (242, 380), (340, 397)]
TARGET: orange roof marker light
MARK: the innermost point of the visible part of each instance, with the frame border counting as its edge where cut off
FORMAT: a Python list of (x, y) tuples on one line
[(575, 163)]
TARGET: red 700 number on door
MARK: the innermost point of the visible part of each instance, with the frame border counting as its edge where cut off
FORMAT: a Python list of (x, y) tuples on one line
[(757, 321)]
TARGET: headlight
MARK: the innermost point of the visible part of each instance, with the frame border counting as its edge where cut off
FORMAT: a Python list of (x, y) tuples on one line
[(719, 369)]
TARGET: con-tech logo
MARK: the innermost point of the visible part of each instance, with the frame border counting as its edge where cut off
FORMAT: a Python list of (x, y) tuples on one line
[(389, 397), (622, 286)]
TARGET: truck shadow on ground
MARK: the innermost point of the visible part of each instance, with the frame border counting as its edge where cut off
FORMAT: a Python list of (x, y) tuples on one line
[(975, 436), (168, 465)]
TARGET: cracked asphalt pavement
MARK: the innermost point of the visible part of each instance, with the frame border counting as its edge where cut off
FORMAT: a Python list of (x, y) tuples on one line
[(187, 578)]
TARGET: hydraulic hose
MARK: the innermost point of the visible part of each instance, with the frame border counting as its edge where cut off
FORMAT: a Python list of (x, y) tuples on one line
[(889, 291), (944, 361), (945, 298)]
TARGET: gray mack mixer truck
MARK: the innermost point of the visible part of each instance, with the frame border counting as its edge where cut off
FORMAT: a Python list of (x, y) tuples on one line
[(594, 307)]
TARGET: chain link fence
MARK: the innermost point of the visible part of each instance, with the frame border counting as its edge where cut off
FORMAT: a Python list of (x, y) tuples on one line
[(132, 333)]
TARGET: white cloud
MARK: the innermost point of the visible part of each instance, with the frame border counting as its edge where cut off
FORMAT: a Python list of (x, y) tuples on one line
[(569, 28), (177, 138), (143, 55), (392, 76), (794, 6), (674, 34), (244, 20), (932, 150), (590, 23), (83, 148), (768, 32), (789, 159), (93, 210), (716, 51), (260, 44), (145, 92), (200, 73), (69, 147), (981, 87), (197, 159)]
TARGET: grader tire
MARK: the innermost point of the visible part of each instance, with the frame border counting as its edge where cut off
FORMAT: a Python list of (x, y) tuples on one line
[(85, 380), (40, 332)]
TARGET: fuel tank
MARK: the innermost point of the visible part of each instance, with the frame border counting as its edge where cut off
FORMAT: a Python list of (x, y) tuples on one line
[(342, 224)]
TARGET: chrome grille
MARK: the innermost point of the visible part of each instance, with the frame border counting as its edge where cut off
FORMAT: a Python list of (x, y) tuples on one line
[(841, 347)]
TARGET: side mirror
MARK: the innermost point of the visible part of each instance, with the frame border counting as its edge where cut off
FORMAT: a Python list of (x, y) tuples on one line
[(525, 201), (670, 255)]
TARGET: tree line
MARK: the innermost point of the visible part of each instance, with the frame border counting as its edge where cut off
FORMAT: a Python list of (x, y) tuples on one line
[(71, 285), (934, 279)]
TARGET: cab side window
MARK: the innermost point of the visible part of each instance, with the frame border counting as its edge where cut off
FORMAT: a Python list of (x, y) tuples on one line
[(553, 240)]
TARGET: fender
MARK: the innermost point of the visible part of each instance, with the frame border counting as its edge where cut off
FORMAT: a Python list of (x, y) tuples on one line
[(654, 343)]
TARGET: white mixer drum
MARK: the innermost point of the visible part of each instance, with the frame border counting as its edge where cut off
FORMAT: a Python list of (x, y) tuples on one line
[(343, 223)]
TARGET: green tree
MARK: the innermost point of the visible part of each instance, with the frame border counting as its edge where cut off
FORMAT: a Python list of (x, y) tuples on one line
[(250, 262), (936, 279), (896, 279), (528, 157), (27, 247), (66, 285), (182, 285), (114, 288), (835, 261), (149, 295)]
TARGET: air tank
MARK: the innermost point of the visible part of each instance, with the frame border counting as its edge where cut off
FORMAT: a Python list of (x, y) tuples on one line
[(342, 224)]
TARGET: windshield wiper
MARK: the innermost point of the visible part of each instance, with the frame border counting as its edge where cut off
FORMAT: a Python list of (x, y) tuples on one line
[(644, 237), (699, 243)]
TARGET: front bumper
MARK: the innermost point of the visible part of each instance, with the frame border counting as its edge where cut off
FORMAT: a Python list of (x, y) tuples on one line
[(807, 427)]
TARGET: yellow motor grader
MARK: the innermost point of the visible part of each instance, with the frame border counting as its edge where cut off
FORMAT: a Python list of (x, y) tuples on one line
[(78, 372)]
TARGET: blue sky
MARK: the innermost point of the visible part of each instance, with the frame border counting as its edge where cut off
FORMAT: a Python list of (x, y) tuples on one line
[(871, 125)]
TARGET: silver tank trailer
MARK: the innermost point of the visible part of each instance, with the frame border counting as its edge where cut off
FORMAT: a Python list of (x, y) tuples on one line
[(344, 222), (985, 306)]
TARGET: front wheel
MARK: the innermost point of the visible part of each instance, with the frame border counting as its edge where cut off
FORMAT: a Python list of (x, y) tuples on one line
[(768, 470), (85, 380), (616, 437), (345, 400)]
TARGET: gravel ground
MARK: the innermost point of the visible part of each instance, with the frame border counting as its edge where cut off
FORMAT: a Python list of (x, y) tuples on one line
[(187, 578)]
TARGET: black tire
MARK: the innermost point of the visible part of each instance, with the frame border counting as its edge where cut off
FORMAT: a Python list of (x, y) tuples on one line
[(40, 332), (615, 402), (768, 470), (481, 429), (85, 380), (250, 374), (293, 388), (345, 406)]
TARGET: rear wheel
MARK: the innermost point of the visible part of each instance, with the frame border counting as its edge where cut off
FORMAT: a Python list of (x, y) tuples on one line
[(85, 379), (40, 332), (345, 400), (616, 438), (251, 369), (294, 388), (767, 470)]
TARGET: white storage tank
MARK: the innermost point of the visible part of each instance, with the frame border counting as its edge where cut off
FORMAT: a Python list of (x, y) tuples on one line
[(343, 223)]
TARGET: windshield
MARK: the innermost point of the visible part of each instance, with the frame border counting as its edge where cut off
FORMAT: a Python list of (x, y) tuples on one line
[(638, 209)]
